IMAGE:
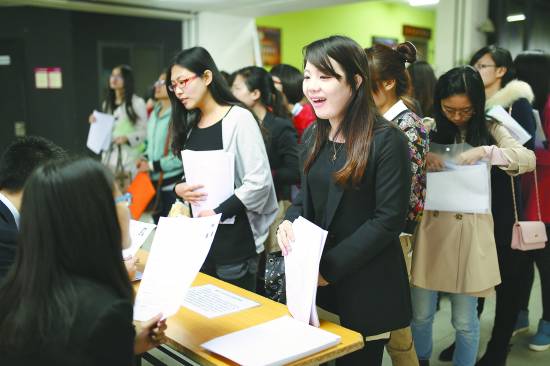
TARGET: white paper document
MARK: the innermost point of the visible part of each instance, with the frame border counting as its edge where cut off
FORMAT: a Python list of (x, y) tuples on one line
[(179, 249), (212, 301), (462, 188), (515, 129), (276, 342), (302, 270), (139, 232), (99, 135), (215, 170), (540, 136)]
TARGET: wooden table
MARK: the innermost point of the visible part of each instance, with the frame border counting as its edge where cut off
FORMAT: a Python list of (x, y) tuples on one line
[(187, 330)]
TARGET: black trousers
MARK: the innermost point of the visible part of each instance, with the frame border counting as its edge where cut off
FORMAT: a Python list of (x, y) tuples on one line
[(542, 259), (166, 199), (370, 355), (514, 274)]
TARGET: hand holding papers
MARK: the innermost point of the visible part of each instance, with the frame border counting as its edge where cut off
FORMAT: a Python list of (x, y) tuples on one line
[(302, 270), (99, 135), (459, 188), (139, 232), (276, 342), (179, 249), (215, 171)]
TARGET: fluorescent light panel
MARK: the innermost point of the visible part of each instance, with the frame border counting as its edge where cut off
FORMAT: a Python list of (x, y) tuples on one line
[(423, 2), (515, 18)]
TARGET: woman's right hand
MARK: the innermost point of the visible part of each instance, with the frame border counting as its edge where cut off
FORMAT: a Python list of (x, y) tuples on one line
[(434, 162), (189, 194), (91, 118), (285, 235)]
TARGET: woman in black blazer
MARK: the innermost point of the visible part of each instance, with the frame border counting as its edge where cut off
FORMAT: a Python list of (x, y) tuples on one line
[(67, 299), (355, 184)]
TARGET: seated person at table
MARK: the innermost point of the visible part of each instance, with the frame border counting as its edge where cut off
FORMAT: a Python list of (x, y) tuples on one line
[(67, 300), (17, 163)]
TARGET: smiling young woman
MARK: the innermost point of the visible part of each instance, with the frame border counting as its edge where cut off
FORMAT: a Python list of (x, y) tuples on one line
[(355, 184)]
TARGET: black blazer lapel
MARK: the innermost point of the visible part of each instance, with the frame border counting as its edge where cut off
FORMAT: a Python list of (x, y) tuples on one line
[(6, 215), (335, 193)]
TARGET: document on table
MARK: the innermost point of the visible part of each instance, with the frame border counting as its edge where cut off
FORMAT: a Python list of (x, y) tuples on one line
[(302, 270), (99, 135), (179, 249), (515, 129), (276, 342), (215, 170), (139, 232), (462, 188), (212, 301)]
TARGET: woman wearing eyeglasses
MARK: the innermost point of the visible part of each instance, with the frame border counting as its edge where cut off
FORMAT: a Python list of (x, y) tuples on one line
[(163, 166), (455, 252), (130, 127), (501, 89), (206, 116)]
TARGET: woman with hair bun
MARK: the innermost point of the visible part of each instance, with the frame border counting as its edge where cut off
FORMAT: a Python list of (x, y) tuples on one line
[(391, 86)]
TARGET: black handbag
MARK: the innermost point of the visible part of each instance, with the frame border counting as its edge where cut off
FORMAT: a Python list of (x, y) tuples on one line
[(275, 277)]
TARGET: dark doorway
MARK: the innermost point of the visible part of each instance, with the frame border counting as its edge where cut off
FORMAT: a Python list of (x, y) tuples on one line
[(13, 96)]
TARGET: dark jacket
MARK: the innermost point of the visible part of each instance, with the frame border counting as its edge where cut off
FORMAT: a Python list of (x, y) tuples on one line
[(282, 151), (362, 259), (8, 236), (102, 333)]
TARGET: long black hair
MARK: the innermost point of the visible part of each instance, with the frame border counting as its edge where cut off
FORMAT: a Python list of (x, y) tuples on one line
[(358, 123), (197, 60), (463, 80), (501, 57), (533, 67), (257, 78), (291, 79), (423, 83), (69, 229), (128, 78)]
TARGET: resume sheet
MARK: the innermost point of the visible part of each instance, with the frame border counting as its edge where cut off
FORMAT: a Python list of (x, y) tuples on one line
[(302, 270), (460, 188), (276, 342), (515, 129), (179, 249), (215, 170), (139, 232), (99, 135), (212, 301)]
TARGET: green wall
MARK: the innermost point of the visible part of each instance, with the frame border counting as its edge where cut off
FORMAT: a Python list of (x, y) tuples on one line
[(359, 21)]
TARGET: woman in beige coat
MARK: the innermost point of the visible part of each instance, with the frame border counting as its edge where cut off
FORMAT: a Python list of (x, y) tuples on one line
[(456, 252)]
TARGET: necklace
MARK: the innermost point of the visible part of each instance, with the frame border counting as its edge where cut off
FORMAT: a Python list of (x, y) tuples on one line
[(335, 150)]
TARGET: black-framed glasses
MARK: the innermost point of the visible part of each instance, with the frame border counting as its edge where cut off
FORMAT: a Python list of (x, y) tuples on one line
[(463, 112), (181, 83), (480, 67), (159, 83)]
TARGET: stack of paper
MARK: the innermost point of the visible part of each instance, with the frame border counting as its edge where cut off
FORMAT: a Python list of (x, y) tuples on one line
[(178, 252), (215, 170), (212, 301), (302, 270), (276, 342), (515, 129), (462, 188), (139, 232), (99, 135)]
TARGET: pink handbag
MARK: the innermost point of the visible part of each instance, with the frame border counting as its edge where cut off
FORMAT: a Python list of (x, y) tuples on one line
[(528, 235)]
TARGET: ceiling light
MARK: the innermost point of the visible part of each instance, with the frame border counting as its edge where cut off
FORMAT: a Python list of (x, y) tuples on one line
[(515, 18), (423, 2)]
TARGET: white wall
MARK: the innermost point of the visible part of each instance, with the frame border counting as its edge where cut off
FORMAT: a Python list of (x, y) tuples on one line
[(231, 40), (456, 34)]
